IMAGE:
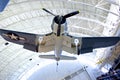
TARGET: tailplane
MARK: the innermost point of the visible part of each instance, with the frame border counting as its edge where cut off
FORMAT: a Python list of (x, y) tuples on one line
[(62, 57)]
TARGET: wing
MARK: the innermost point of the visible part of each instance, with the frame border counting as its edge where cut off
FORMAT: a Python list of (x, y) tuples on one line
[(29, 41), (87, 44)]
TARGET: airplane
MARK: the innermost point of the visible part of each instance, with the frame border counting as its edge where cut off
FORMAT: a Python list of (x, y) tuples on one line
[(59, 39)]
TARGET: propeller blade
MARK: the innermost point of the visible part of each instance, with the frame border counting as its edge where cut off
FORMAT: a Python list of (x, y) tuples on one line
[(71, 14), (48, 12)]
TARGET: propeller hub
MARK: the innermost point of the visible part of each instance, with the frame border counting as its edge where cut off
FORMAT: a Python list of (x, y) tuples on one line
[(59, 19)]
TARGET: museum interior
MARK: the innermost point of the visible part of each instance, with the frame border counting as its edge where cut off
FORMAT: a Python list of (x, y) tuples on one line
[(96, 18)]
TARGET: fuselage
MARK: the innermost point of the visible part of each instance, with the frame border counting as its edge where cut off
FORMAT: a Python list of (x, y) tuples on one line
[(59, 29)]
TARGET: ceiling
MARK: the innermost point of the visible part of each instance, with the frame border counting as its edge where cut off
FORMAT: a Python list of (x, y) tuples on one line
[(96, 18), (27, 15)]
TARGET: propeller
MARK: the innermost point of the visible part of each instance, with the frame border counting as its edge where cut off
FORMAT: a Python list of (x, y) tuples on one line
[(60, 19), (71, 14), (49, 12), (65, 16)]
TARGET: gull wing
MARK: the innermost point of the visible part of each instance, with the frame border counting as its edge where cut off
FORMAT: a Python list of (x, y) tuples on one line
[(87, 44), (29, 41)]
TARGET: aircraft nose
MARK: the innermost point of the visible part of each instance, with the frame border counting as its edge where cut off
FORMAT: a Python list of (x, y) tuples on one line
[(59, 19)]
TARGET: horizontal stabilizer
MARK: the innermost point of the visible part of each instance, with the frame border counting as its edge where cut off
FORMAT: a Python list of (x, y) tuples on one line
[(67, 58), (61, 57)]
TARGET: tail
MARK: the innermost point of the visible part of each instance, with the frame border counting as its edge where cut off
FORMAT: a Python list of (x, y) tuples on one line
[(62, 57), (67, 58)]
